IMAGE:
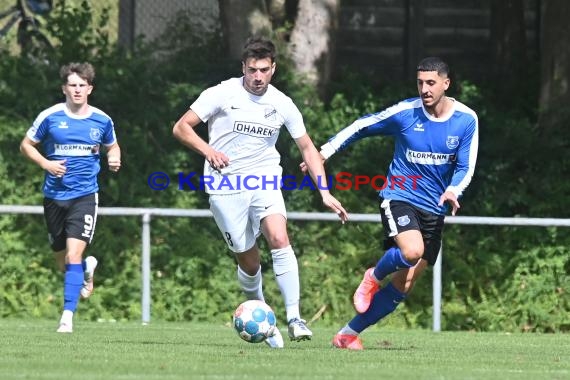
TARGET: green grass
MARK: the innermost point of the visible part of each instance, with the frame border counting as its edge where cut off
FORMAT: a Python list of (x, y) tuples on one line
[(32, 350)]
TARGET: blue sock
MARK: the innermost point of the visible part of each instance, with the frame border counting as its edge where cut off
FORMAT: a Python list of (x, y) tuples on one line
[(385, 301), (72, 286), (391, 262)]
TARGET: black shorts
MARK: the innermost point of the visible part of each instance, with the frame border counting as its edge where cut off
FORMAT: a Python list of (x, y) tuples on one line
[(73, 218), (400, 216)]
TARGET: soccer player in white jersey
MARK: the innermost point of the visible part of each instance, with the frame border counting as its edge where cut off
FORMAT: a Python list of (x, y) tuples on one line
[(71, 135), (436, 141), (243, 172)]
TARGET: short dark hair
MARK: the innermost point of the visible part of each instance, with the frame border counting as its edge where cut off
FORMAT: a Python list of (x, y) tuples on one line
[(85, 71), (259, 48), (434, 64)]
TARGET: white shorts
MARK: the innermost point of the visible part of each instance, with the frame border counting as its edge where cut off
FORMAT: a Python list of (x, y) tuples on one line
[(239, 215)]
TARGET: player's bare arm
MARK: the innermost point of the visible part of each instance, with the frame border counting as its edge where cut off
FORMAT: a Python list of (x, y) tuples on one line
[(314, 163), (29, 149), (114, 157), (184, 132), (305, 169)]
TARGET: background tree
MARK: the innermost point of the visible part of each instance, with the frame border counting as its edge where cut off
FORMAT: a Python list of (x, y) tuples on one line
[(307, 28), (313, 40), (239, 20), (555, 64), (509, 44)]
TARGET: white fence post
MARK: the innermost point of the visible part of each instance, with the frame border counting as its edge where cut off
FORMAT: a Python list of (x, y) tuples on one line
[(145, 269), (437, 278)]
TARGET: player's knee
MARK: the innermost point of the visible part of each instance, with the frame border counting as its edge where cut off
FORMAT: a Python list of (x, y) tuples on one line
[(278, 241), (413, 254)]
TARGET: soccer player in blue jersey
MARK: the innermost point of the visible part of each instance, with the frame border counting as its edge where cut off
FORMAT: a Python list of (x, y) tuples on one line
[(436, 141), (70, 135)]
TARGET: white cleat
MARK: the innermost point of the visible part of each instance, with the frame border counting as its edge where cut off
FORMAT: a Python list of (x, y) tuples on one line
[(298, 330), (275, 340), (90, 265), (65, 328)]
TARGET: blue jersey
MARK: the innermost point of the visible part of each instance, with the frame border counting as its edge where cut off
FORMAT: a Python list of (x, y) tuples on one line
[(431, 154), (77, 140)]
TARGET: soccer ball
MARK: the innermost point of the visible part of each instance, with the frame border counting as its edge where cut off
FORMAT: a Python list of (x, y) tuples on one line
[(254, 321)]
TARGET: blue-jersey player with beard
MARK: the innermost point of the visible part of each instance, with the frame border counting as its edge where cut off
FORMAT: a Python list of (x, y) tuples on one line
[(436, 141)]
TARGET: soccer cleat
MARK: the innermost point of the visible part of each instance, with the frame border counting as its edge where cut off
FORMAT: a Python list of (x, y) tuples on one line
[(90, 265), (349, 342), (65, 328), (365, 291), (298, 330), (275, 340)]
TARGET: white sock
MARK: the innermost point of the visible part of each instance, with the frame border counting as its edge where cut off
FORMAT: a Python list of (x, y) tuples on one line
[(66, 318), (346, 330), (252, 286), (287, 276)]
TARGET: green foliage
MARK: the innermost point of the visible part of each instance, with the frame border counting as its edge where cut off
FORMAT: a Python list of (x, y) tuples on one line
[(495, 279)]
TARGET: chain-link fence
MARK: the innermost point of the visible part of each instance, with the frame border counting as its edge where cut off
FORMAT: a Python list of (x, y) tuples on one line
[(150, 18)]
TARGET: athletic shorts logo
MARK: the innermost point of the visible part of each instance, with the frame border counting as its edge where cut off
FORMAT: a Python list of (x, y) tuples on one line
[(403, 221)]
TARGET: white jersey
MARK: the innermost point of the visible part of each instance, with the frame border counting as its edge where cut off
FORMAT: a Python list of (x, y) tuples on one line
[(245, 127)]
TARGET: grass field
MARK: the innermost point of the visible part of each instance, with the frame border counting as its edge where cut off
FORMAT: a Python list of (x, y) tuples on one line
[(32, 350)]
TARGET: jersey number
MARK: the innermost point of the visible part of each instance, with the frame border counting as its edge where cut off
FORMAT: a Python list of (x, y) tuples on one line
[(229, 239)]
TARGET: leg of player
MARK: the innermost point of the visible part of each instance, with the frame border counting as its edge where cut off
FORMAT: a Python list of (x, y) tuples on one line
[(88, 265), (286, 270), (391, 261), (59, 257), (252, 286), (249, 273), (405, 255), (73, 283), (384, 302)]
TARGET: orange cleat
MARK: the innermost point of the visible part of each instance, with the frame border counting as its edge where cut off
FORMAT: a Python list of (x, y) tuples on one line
[(349, 342), (365, 291)]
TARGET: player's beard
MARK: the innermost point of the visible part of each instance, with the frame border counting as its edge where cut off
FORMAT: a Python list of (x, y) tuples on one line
[(431, 102)]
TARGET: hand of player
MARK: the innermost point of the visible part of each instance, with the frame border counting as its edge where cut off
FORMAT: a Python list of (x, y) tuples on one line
[(305, 169), (56, 168), (114, 162), (332, 203), (217, 160), (448, 196)]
